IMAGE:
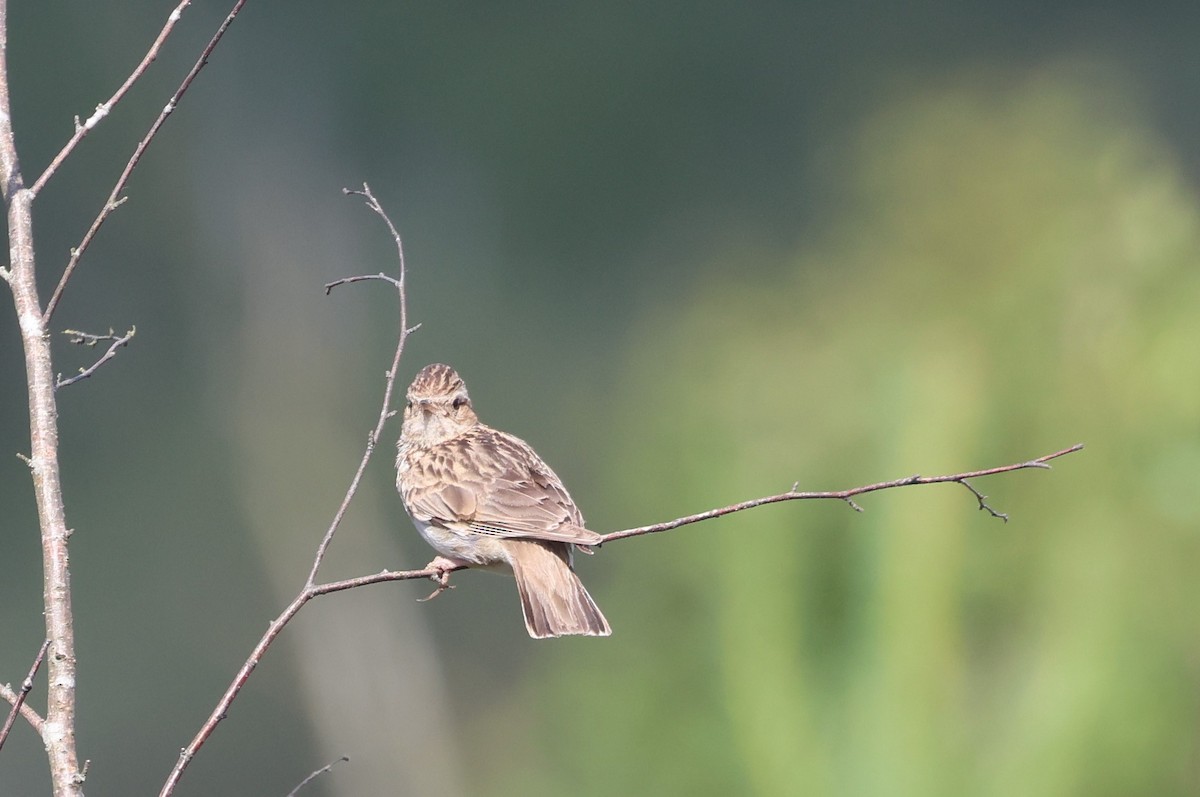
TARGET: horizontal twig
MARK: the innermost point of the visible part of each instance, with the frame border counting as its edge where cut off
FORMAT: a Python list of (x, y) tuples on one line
[(329, 286), (846, 495)]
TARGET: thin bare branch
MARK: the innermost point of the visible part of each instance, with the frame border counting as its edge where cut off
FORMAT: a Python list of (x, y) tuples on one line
[(385, 411), (18, 701), (87, 339), (114, 198), (104, 108), (382, 577), (846, 495), (311, 589), (316, 774)]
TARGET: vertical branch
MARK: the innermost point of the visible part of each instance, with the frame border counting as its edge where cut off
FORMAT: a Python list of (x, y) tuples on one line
[(58, 732)]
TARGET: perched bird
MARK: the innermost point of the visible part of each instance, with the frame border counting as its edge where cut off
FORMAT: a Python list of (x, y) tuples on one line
[(483, 498)]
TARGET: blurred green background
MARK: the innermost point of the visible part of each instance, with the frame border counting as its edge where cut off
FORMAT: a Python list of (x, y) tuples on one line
[(693, 252)]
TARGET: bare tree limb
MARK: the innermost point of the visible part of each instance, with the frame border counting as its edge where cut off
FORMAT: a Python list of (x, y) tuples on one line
[(18, 700), (311, 589), (91, 340), (315, 774), (114, 198), (848, 495), (58, 728), (104, 108), (385, 410)]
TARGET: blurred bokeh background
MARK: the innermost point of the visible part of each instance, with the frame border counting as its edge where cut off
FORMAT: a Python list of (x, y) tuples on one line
[(693, 252)]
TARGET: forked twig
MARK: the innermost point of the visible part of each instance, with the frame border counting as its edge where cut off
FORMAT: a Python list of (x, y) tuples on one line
[(87, 339), (385, 410), (18, 698)]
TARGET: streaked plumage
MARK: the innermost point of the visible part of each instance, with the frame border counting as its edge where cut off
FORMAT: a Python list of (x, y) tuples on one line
[(484, 498)]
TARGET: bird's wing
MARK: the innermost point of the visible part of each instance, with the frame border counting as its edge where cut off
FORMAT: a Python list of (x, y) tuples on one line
[(503, 490)]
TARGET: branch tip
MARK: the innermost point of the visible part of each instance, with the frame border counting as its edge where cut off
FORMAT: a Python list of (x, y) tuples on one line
[(317, 773)]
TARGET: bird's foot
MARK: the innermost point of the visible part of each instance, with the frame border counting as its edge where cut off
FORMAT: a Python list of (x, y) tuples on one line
[(442, 568)]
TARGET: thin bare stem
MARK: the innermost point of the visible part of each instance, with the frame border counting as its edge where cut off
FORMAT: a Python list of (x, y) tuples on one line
[(104, 108), (114, 201), (316, 774), (385, 411), (91, 340), (382, 577), (26, 687), (847, 495), (311, 589)]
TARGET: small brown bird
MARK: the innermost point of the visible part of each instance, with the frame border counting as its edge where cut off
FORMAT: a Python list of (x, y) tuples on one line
[(483, 498)]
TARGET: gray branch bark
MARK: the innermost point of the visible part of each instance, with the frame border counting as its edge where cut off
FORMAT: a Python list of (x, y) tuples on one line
[(58, 731)]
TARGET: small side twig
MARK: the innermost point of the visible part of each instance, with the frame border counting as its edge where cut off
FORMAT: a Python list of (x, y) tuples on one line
[(86, 339), (315, 774), (311, 589), (114, 197), (104, 108), (18, 699)]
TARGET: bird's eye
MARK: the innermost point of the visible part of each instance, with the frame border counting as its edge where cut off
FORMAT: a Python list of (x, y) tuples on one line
[(460, 402)]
